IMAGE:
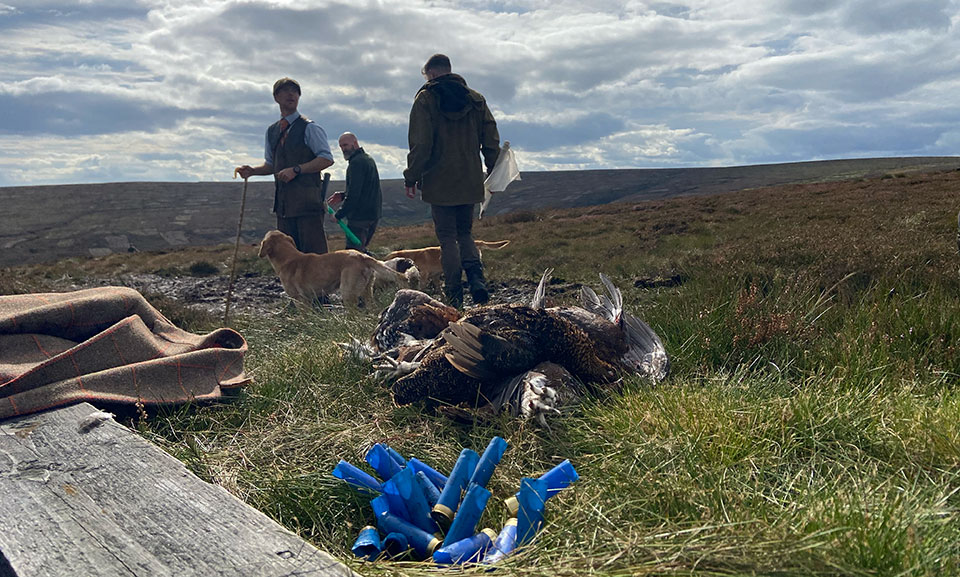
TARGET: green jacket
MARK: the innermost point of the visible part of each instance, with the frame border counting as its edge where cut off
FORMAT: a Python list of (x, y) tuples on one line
[(362, 199), (450, 126)]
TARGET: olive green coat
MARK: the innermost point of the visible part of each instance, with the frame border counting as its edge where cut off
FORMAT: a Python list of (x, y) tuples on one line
[(450, 126)]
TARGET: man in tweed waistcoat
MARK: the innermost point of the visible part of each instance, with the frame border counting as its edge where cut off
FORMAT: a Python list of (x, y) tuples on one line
[(295, 152)]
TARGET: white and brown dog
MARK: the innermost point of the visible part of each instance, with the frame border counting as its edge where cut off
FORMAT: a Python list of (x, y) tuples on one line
[(427, 260), (307, 277)]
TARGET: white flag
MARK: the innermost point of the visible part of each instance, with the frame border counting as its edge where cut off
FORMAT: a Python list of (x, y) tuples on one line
[(504, 172)]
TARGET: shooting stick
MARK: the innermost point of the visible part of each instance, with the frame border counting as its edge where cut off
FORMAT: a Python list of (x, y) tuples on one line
[(236, 249)]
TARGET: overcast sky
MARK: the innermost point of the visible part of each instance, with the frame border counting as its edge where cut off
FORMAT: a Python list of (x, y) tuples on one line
[(180, 90)]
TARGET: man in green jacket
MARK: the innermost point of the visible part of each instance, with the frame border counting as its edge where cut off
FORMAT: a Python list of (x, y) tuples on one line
[(362, 199), (450, 127)]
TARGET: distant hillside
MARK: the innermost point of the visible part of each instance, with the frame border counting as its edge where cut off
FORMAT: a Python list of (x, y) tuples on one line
[(47, 223)]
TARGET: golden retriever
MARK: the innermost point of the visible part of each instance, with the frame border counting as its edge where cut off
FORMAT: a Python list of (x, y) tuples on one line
[(427, 260), (307, 277)]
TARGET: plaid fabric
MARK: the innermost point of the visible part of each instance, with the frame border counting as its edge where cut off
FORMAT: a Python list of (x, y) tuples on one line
[(107, 344)]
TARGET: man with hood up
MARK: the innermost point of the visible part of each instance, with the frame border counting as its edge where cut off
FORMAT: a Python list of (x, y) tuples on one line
[(450, 127)]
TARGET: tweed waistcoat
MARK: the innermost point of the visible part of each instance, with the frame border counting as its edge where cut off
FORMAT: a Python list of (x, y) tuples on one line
[(301, 196)]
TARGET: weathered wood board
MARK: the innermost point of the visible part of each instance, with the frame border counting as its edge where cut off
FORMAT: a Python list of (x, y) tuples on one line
[(101, 500)]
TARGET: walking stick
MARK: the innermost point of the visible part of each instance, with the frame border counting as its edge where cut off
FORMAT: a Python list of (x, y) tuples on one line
[(236, 249)]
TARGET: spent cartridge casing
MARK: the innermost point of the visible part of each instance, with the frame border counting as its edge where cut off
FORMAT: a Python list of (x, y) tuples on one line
[(488, 461), (368, 545), (468, 515), (504, 544), (395, 503), (357, 477), (423, 543), (436, 477), (380, 505), (382, 462), (397, 457), (532, 499), (395, 545), (403, 487), (430, 490), (389, 504), (469, 550), (449, 500), (557, 479)]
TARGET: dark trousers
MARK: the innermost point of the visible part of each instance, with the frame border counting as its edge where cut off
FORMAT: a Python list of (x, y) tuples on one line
[(307, 232), (454, 228), (364, 230)]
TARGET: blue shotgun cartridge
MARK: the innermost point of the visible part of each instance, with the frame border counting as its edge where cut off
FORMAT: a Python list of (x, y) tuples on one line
[(469, 550), (465, 522), (367, 546), (449, 501), (397, 457), (382, 462), (532, 498), (404, 487), (557, 479), (488, 461), (504, 544), (430, 490), (395, 545), (423, 543), (357, 477), (438, 478)]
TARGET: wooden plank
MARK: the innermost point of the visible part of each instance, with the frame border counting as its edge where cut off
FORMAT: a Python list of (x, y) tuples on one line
[(103, 501)]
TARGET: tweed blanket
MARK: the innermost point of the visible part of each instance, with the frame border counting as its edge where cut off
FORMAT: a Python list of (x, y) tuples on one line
[(108, 345)]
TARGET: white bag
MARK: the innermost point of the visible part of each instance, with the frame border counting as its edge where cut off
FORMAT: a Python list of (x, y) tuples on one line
[(504, 172)]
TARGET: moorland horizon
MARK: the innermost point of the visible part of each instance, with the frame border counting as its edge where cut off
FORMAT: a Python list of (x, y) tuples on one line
[(45, 223)]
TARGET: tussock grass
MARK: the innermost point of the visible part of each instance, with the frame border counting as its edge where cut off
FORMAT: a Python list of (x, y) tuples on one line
[(810, 426)]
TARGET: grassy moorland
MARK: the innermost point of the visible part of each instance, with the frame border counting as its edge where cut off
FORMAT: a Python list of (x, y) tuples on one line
[(810, 426)]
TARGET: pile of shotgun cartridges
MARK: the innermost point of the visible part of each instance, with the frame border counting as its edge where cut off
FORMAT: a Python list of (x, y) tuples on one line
[(423, 514)]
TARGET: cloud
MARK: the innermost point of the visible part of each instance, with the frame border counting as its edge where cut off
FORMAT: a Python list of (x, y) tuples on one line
[(543, 135), (180, 90), (82, 113), (846, 141), (891, 16)]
